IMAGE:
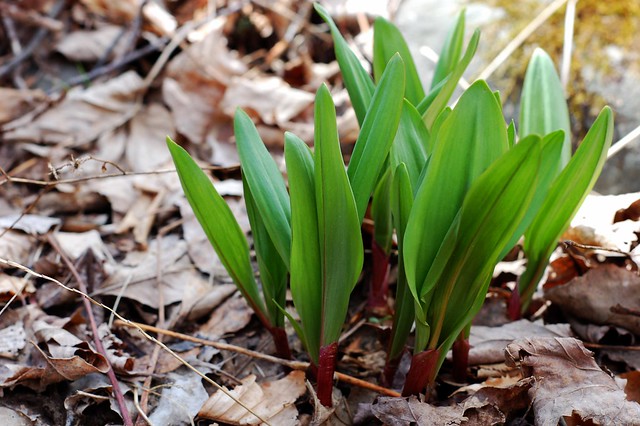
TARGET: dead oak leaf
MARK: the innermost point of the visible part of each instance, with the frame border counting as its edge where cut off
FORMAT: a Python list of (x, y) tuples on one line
[(570, 383)]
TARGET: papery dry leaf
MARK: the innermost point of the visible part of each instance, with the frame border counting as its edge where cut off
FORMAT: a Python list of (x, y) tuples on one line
[(197, 303), (138, 273), (233, 315), (15, 246), (275, 101), (592, 296), (195, 84), (10, 417), (146, 149), (410, 411), (121, 11), (30, 223), (85, 113), (12, 340), (10, 285), (488, 343), (181, 399), (568, 382), (17, 102), (91, 46), (74, 244), (273, 401)]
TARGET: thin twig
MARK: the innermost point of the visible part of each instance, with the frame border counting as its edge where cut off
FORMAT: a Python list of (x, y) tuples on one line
[(618, 146), (294, 365), (520, 38), (30, 17), (94, 329), (127, 323)]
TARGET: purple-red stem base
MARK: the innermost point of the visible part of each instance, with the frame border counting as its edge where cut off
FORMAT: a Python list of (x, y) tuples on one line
[(422, 372), (281, 342), (326, 368), (460, 358), (379, 285)]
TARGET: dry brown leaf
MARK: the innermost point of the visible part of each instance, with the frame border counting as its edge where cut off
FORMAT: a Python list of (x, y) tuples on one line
[(409, 411), (273, 401), (275, 101), (568, 382), (592, 296), (195, 84), (16, 103), (84, 114), (12, 340), (116, 11), (16, 246), (146, 149), (10, 285), (74, 244), (233, 315), (181, 398), (488, 343), (91, 46), (30, 223)]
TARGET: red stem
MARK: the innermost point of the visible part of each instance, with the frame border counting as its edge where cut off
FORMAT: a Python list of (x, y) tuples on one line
[(514, 305), (460, 358), (281, 342), (390, 369), (379, 285), (326, 368), (422, 372)]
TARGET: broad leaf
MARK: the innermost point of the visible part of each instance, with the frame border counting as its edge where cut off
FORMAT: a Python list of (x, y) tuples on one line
[(543, 107), (563, 200), (341, 251), (356, 78), (377, 134), (306, 272), (470, 139), (387, 41), (273, 271), (381, 212), (266, 184), (410, 144), (219, 225)]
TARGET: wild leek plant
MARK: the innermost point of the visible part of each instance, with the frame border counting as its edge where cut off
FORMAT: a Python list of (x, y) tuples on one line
[(543, 109), (268, 208)]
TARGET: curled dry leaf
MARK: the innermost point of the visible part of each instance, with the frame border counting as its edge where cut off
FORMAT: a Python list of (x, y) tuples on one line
[(570, 383), (273, 401), (595, 296), (180, 400), (85, 113), (16, 102)]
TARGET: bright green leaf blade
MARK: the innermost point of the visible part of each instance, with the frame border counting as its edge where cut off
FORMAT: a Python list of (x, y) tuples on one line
[(401, 204), (273, 271), (306, 272), (543, 107), (219, 225), (266, 183), (357, 80), (410, 144), (565, 196), (511, 133), (377, 134), (471, 138), (387, 41), (441, 100), (341, 251), (381, 212), (492, 211), (451, 51), (551, 157)]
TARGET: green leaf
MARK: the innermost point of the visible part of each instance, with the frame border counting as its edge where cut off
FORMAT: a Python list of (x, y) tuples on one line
[(306, 271), (451, 51), (551, 150), (357, 80), (401, 204), (543, 107), (490, 214), (471, 138), (387, 41), (273, 271), (341, 251), (219, 225), (511, 133), (563, 200), (266, 184), (377, 134), (440, 101), (381, 212), (410, 144)]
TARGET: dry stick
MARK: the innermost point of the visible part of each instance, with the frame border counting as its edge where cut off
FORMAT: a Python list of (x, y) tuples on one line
[(30, 17), (294, 365), (122, 320), (94, 329), (567, 47), (33, 44), (520, 38), (617, 147)]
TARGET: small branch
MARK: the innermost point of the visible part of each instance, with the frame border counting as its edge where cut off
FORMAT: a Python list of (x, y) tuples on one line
[(567, 47), (30, 17), (94, 329), (294, 365)]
